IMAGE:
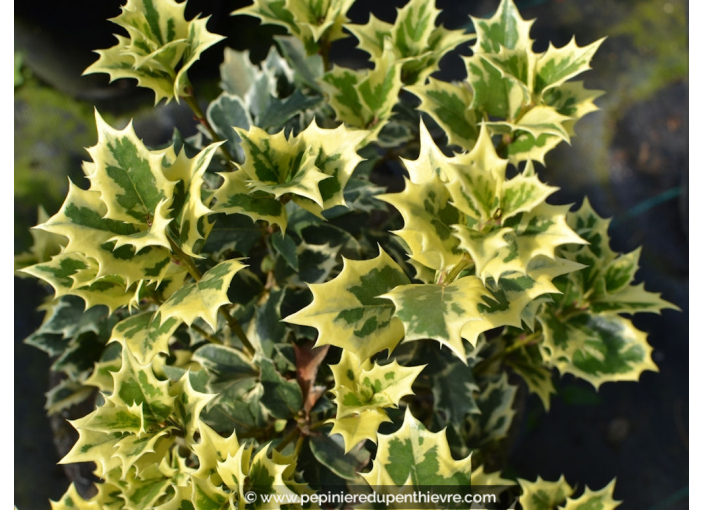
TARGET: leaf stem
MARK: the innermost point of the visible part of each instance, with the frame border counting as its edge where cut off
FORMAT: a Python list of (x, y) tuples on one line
[(455, 271), (235, 327), (207, 335), (288, 438), (325, 54), (190, 100)]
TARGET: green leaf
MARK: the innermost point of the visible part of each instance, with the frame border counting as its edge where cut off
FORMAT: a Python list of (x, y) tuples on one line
[(439, 312), (224, 113), (307, 69), (544, 495), (348, 311), (224, 365), (364, 99), (333, 456), (528, 363), (360, 387), (596, 348), (558, 65), (286, 247), (160, 41), (282, 398), (428, 218), (448, 105), (235, 197), (495, 401), (66, 394), (145, 335), (81, 220), (202, 299), (505, 28), (601, 499), (414, 456)]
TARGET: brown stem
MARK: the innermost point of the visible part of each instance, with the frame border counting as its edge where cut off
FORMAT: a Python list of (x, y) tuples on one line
[(200, 116)]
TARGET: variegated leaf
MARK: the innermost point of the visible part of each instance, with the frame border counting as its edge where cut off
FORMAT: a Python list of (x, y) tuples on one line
[(495, 401), (428, 218), (145, 335), (364, 99), (348, 311), (544, 495), (414, 456), (160, 42), (439, 312), (202, 299), (448, 105), (598, 500), (81, 219)]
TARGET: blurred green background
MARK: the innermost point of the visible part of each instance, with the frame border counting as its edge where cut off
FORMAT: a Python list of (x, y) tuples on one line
[(631, 159)]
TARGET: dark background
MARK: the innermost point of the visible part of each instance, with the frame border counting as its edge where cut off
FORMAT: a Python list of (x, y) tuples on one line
[(631, 159)]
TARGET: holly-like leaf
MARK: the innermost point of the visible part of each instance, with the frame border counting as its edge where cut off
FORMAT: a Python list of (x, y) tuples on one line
[(341, 461), (348, 311), (428, 218), (439, 312), (235, 197), (414, 38), (66, 394), (558, 65), (160, 42), (448, 105), (364, 99), (202, 299), (602, 499), (282, 397), (362, 386), (308, 21), (212, 449), (71, 499), (495, 401), (359, 427), (413, 455), (188, 404), (44, 246), (307, 69), (544, 495), (528, 363), (597, 348), (145, 335)]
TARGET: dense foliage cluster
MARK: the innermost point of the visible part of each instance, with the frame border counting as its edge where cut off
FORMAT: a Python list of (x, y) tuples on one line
[(245, 313)]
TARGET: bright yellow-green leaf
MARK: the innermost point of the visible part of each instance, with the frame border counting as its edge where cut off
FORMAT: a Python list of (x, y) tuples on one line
[(202, 298), (66, 394), (72, 500), (190, 223), (145, 335), (362, 386), (44, 246), (505, 28), (448, 105), (528, 363), (309, 21), (211, 449), (235, 197), (597, 348), (428, 218), (594, 500), (160, 42), (348, 312), (364, 99), (431, 161), (544, 495), (439, 312), (188, 405), (81, 219), (359, 427), (101, 377), (413, 455), (558, 65)]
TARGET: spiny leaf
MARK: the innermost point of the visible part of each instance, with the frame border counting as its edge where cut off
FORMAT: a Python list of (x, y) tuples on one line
[(364, 99), (359, 427), (428, 218), (495, 401), (204, 297), (544, 495), (601, 499), (160, 41), (439, 312), (348, 311), (413, 455), (448, 105), (145, 335), (362, 386), (81, 219), (597, 348)]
